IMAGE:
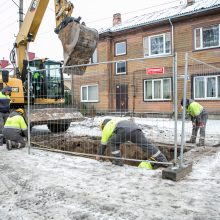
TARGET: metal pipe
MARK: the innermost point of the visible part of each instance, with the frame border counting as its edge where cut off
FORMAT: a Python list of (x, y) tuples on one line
[(28, 100), (184, 110), (21, 13), (40, 147), (175, 107), (172, 53)]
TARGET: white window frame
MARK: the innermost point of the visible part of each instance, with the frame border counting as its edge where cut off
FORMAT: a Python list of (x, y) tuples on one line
[(116, 44), (94, 57), (116, 65), (148, 41), (161, 99), (87, 95), (201, 38), (205, 89)]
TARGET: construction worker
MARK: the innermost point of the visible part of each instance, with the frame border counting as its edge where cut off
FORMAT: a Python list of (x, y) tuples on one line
[(4, 108), (199, 117), (15, 130), (116, 132)]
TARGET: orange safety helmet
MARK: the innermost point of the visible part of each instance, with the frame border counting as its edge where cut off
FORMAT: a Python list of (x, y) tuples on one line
[(104, 122), (20, 111)]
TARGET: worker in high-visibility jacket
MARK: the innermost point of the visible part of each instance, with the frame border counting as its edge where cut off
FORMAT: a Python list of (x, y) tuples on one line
[(15, 129), (118, 131), (199, 117), (4, 108)]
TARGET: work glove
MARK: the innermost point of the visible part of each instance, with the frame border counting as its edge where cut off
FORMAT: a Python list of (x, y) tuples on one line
[(201, 124), (101, 151)]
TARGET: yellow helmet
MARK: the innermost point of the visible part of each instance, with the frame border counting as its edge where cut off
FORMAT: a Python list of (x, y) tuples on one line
[(20, 110), (146, 165), (104, 122)]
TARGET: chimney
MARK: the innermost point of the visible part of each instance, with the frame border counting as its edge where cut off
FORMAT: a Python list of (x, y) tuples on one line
[(116, 19), (190, 2), (31, 55), (3, 63)]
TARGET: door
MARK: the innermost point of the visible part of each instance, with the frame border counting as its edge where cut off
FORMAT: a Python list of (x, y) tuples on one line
[(121, 98)]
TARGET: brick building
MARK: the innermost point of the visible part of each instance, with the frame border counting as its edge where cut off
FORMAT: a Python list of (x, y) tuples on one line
[(129, 52)]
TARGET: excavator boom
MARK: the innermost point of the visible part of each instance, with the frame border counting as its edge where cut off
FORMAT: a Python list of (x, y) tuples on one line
[(79, 42)]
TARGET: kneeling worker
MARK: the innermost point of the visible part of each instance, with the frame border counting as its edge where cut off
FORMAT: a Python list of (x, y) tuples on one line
[(15, 129), (116, 132)]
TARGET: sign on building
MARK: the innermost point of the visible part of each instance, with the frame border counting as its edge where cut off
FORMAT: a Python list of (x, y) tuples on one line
[(155, 70)]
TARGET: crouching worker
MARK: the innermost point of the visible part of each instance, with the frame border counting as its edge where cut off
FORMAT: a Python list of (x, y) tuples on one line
[(15, 129), (116, 132)]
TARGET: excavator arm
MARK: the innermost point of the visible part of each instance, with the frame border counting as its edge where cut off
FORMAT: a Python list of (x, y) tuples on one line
[(29, 29), (79, 41)]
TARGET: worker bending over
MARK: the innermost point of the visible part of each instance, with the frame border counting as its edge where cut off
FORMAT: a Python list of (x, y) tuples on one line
[(115, 132), (199, 117), (15, 130)]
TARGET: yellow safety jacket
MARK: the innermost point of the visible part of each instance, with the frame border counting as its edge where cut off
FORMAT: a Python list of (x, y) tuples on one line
[(194, 109), (108, 130), (4, 102), (16, 122)]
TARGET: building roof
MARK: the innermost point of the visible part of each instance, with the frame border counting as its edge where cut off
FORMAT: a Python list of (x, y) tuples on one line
[(164, 14)]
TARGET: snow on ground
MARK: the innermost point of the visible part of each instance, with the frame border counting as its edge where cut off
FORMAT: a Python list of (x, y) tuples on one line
[(45, 185), (157, 129)]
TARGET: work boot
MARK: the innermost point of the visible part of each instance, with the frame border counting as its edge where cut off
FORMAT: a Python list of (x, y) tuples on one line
[(118, 162), (192, 140), (8, 145), (201, 143)]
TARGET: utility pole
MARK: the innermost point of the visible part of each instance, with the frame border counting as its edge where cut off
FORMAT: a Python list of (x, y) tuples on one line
[(21, 8)]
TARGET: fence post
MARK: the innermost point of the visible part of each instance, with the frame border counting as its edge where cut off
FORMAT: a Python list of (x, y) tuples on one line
[(28, 102), (175, 107), (184, 109)]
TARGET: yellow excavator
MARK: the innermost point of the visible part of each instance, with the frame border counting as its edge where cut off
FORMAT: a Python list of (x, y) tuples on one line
[(79, 43)]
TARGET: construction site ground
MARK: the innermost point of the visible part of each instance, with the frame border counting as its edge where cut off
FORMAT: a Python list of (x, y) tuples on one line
[(46, 185)]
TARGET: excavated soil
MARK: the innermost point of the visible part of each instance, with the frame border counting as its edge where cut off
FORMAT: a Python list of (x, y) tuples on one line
[(89, 145)]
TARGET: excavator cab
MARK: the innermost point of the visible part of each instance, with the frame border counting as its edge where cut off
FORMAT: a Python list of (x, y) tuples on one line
[(47, 83)]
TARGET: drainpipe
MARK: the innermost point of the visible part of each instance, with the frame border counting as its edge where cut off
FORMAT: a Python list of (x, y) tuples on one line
[(172, 37), (109, 72), (175, 95)]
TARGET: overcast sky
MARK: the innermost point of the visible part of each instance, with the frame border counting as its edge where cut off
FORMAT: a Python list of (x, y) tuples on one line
[(96, 13)]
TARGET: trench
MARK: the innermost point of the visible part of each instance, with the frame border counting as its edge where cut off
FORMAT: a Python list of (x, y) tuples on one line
[(89, 145)]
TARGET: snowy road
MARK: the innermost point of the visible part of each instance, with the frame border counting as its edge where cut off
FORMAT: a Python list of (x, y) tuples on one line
[(45, 185)]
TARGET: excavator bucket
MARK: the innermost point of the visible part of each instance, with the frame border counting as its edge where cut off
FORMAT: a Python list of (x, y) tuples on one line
[(79, 43)]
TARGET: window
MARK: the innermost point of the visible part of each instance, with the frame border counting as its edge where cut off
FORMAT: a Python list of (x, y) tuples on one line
[(157, 89), (207, 37), (89, 93), (120, 68), (94, 58), (157, 45), (207, 87), (120, 48)]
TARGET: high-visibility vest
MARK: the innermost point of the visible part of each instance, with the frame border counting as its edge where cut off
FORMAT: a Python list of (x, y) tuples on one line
[(4, 102), (108, 130), (194, 109), (16, 122), (146, 165)]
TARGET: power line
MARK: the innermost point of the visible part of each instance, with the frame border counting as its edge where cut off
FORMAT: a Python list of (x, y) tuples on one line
[(3, 3), (7, 26), (130, 12), (15, 3)]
